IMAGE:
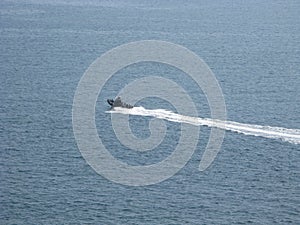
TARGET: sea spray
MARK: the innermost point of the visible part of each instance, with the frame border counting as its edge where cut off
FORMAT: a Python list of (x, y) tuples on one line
[(284, 134)]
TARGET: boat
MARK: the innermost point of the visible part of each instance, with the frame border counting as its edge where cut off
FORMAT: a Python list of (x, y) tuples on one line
[(118, 103)]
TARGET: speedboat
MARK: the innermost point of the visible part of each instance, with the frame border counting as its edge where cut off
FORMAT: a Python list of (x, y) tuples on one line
[(118, 103)]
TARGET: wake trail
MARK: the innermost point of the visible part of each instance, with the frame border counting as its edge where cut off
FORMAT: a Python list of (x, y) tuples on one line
[(285, 134)]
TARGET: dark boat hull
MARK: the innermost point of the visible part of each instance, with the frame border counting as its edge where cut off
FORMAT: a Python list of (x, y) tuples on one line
[(118, 103)]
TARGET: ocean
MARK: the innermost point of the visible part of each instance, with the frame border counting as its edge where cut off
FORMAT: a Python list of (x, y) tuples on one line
[(251, 47)]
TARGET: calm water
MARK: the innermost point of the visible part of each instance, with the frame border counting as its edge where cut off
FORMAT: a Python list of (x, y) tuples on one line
[(252, 48)]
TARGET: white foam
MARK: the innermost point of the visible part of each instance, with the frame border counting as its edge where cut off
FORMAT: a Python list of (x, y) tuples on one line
[(285, 134)]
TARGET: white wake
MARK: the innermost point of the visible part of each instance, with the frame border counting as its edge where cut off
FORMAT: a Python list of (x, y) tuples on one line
[(289, 135)]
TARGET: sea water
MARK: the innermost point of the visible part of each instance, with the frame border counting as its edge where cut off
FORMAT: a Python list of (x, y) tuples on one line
[(251, 47)]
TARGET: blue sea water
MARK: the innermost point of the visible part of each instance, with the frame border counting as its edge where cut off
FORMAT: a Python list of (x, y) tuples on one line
[(251, 46)]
